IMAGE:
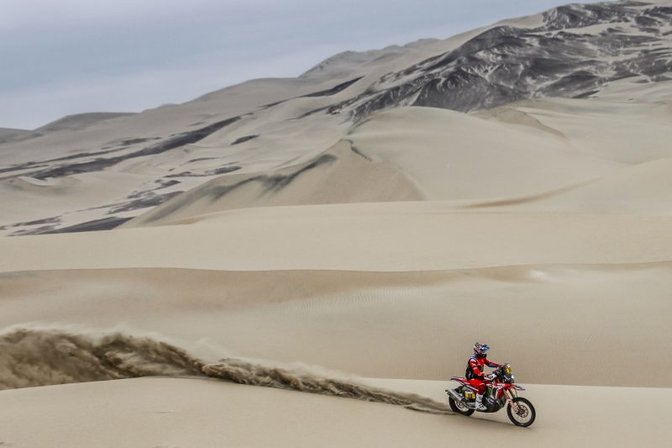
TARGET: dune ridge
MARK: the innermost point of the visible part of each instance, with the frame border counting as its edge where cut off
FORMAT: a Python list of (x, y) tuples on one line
[(38, 357), (340, 174)]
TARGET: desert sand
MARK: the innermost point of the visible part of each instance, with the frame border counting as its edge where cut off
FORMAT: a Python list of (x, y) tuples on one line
[(314, 281), (186, 412)]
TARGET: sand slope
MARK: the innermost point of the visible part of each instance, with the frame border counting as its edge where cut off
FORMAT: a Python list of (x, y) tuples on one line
[(393, 236), (171, 412), (594, 325), (339, 175)]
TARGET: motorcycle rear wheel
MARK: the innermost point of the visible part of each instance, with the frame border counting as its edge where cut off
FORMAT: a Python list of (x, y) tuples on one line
[(525, 415), (459, 408)]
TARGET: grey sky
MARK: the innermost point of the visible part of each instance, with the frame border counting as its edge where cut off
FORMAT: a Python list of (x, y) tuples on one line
[(60, 57)]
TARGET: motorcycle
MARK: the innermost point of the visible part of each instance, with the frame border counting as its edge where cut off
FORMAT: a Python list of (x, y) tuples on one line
[(501, 391)]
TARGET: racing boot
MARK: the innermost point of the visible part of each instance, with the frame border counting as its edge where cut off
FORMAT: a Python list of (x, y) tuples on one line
[(479, 406)]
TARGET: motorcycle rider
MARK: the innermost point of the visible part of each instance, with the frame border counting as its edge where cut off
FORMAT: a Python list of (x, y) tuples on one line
[(476, 374)]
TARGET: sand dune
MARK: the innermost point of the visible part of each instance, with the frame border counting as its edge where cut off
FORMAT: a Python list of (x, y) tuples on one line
[(187, 412), (641, 189), (558, 143), (586, 321), (280, 233), (451, 155), (393, 236), (339, 175), (268, 124)]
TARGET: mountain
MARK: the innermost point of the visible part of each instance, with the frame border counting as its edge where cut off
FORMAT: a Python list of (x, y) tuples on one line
[(575, 52), (96, 171)]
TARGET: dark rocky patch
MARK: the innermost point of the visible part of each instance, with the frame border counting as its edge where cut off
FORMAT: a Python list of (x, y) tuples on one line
[(39, 231), (89, 226), (186, 138), (587, 94), (222, 170), (20, 167), (77, 168), (579, 16), (145, 193), (158, 148), (584, 80), (128, 142), (278, 182), (82, 155), (269, 105), (43, 163), (271, 184), (329, 109), (646, 21), (244, 139), (328, 92), (53, 220), (660, 12), (167, 183), (202, 159), (215, 172), (334, 90), (150, 200), (135, 141)]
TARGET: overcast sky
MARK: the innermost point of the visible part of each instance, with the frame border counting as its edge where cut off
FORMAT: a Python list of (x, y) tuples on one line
[(60, 57)]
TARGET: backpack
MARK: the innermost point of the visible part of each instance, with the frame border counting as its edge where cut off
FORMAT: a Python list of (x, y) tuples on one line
[(469, 374)]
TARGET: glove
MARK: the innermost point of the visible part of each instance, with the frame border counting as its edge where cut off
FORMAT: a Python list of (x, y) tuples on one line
[(490, 376)]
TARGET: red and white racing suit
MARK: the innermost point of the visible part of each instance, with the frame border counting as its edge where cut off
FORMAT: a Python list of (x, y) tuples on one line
[(476, 365)]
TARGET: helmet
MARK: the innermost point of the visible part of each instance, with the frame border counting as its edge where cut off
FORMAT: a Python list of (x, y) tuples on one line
[(481, 349)]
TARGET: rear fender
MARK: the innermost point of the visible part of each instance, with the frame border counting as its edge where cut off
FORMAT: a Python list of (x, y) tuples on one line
[(464, 382)]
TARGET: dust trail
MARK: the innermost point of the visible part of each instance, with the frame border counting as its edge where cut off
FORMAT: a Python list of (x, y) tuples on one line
[(244, 372), (32, 357), (40, 357)]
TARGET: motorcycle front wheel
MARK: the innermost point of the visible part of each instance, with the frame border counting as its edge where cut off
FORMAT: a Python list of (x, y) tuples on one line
[(524, 414), (459, 407)]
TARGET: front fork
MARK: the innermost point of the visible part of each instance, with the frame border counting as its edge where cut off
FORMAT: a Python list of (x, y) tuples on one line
[(510, 395)]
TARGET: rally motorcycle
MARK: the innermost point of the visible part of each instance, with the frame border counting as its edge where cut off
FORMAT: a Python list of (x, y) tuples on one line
[(500, 391)]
